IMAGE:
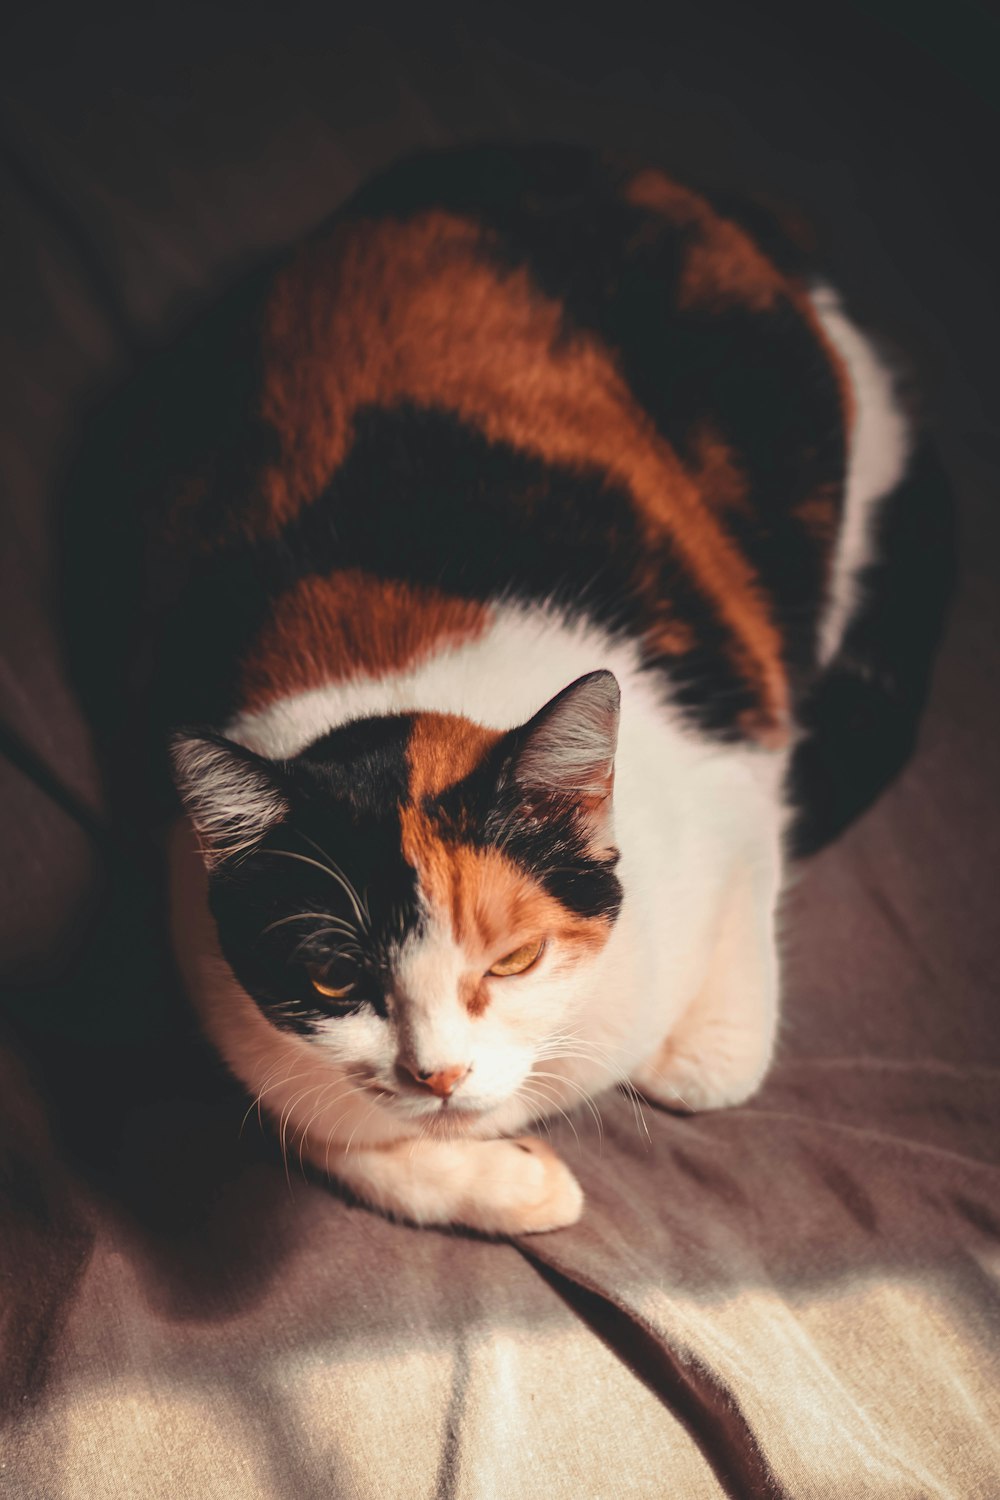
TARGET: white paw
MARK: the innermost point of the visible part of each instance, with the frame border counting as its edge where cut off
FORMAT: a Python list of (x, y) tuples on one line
[(710, 1069), (520, 1187)]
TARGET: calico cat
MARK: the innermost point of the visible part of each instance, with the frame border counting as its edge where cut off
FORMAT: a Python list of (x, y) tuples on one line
[(562, 563)]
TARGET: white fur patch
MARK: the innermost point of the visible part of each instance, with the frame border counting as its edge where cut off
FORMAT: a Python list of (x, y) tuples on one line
[(688, 815), (876, 461), (684, 807), (501, 679)]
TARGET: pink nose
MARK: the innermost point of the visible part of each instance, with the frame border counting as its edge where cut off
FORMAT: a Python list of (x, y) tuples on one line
[(444, 1082)]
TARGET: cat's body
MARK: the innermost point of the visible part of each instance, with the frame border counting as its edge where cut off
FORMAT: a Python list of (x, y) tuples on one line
[(517, 421)]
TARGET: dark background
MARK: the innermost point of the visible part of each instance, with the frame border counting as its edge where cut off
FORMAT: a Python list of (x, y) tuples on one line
[(149, 155)]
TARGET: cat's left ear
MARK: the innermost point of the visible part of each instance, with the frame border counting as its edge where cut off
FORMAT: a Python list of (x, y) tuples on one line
[(566, 753), (231, 795)]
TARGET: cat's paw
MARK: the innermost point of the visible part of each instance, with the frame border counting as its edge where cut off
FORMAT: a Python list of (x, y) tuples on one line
[(713, 1068), (498, 1187), (520, 1187)]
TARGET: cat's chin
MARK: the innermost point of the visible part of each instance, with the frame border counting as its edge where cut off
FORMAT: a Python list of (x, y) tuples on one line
[(457, 1124), (453, 1122)]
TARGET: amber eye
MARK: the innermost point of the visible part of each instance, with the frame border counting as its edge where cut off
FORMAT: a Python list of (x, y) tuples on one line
[(336, 981), (520, 960), (330, 992)]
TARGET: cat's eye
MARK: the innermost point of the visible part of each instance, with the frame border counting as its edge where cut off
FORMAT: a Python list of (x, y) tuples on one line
[(337, 981), (332, 992), (520, 960)]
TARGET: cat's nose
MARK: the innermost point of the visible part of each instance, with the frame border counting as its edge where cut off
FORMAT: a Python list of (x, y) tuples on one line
[(444, 1081)]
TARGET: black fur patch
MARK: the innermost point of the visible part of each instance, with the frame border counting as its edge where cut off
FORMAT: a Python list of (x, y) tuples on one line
[(423, 498), (281, 910), (344, 792), (762, 378), (546, 837), (861, 719)]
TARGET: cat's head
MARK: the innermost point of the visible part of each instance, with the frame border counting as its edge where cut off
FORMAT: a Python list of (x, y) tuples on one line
[(419, 896)]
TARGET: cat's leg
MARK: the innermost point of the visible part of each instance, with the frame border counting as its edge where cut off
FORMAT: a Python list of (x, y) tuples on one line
[(719, 1050), (497, 1187)]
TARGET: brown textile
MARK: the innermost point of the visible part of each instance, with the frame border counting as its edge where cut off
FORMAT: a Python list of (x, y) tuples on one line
[(795, 1299)]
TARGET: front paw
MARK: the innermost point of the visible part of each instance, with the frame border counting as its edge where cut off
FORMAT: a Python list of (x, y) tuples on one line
[(498, 1187), (713, 1068), (519, 1187)]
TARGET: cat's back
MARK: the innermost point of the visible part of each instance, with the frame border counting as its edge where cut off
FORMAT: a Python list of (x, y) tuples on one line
[(530, 376)]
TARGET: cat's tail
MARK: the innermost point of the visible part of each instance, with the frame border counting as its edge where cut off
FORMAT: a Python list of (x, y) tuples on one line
[(861, 717)]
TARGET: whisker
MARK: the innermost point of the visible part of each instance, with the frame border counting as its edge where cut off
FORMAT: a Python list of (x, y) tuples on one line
[(341, 880), (353, 944), (590, 1051), (304, 1132), (283, 1125), (292, 1077), (525, 1095), (264, 1089), (324, 1104), (375, 1103), (336, 1126), (586, 1041), (421, 1135), (552, 1103), (303, 916), (350, 947), (584, 1096), (359, 903), (286, 1115), (638, 1113), (547, 1095)]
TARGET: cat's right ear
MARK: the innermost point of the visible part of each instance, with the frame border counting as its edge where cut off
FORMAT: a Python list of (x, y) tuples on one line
[(566, 753), (231, 795)]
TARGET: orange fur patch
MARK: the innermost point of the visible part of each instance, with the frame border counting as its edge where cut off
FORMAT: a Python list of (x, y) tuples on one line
[(714, 467), (670, 636), (490, 905), (723, 267), (351, 623), (381, 312), (443, 749), (726, 268), (818, 515)]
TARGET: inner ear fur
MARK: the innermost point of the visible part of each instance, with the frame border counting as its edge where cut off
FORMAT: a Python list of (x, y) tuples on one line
[(231, 795), (566, 753)]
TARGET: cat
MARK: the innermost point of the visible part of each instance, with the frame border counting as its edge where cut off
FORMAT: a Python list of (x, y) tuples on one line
[(561, 566)]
